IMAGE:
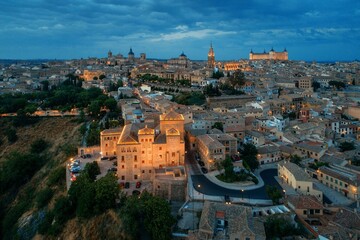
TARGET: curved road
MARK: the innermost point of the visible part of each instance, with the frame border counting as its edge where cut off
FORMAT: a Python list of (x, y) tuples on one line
[(210, 188)]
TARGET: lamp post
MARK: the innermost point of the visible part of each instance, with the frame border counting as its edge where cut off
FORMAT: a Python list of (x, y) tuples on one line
[(242, 194), (199, 186)]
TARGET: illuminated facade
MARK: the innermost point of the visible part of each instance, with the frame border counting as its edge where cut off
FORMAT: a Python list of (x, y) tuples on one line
[(141, 150), (90, 75), (272, 55), (211, 57)]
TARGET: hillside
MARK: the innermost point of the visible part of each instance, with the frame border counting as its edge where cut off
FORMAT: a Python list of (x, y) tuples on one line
[(56, 131), (24, 208)]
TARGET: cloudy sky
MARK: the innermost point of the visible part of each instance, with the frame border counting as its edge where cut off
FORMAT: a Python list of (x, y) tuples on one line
[(309, 29)]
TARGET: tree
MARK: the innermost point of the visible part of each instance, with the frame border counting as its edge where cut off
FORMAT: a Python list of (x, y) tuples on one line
[(237, 79), (158, 220), (316, 86), (94, 108), (92, 170), (274, 193), (337, 84), (346, 146), (217, 75), (106, 193), (111, 104), (295, 159), (218, 125), (249, 149), (45, 86), (251, 161), (249, 154), (102, 76), (276, 227)]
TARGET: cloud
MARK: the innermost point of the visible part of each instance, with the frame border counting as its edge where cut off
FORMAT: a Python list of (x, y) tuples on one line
[(197, 34)]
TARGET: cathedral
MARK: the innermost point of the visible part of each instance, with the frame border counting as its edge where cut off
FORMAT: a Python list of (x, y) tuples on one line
[(141, 150), (211, 57)]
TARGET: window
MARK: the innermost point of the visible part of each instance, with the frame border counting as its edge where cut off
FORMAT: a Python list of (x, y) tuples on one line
[(135, 176), (122, 166), (135, 166), (106, 145), (317, 210), (160, 148), (142, 161), (149, 171), (143, 171), (122, 177), (135, 158), (122, 158), (173, 154), (143, 152), (304, 211)]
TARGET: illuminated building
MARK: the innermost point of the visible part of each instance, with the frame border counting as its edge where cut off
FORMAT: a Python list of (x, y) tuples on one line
[(272, 55)]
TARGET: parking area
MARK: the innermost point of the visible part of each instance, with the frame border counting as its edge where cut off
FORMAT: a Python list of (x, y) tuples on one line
[(104, 166)]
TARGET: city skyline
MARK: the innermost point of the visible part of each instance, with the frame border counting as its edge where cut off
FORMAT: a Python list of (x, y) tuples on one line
[(162, 30)]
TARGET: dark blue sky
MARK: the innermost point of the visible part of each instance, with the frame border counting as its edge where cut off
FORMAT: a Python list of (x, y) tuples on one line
[(309, 29)]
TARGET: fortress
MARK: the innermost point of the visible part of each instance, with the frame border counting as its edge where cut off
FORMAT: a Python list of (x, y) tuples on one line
[(272, 55)]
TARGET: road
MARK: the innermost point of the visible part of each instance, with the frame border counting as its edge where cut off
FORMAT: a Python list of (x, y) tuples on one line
[(212, 189)]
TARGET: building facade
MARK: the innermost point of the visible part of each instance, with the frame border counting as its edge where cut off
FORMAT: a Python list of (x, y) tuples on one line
[(272, 55), (140, 150)]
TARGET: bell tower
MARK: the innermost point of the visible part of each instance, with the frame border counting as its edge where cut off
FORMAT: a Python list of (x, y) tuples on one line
[(211, 57)]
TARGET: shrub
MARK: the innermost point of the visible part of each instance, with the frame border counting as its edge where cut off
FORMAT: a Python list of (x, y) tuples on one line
[(43, 197), (11, 135), (57, 177), (39, 145)]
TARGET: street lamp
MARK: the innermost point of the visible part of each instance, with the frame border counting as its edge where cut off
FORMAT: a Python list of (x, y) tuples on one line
[(242, 194), (199, 186)]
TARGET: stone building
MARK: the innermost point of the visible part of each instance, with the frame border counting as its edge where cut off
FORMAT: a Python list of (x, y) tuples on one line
[(272, 55), (229, 221), (140, 150)]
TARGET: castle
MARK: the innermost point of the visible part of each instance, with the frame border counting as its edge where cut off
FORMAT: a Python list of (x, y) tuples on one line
[(272, 55), (142, 150)]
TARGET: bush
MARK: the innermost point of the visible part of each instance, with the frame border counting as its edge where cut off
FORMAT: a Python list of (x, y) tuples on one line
[(57, 177), (38, 146), (43, 197), (63, 210), (11, 135)]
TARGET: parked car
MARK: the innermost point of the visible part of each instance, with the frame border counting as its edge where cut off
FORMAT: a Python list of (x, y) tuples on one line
[(83, 156), (73, 177), (121, 185), (112, 169), (104, 158), (138, 184), (88, 155), (127, 185), (112, 158), (73, 164), (115, 164), (201, 163), (227, 199), (204, 170), (75, 169)]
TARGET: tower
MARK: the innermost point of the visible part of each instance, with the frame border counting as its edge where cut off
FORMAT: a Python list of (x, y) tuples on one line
[(131, 56), (211, 57), (109, 54)]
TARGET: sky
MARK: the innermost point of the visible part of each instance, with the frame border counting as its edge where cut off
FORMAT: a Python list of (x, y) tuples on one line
[(320, 30)]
